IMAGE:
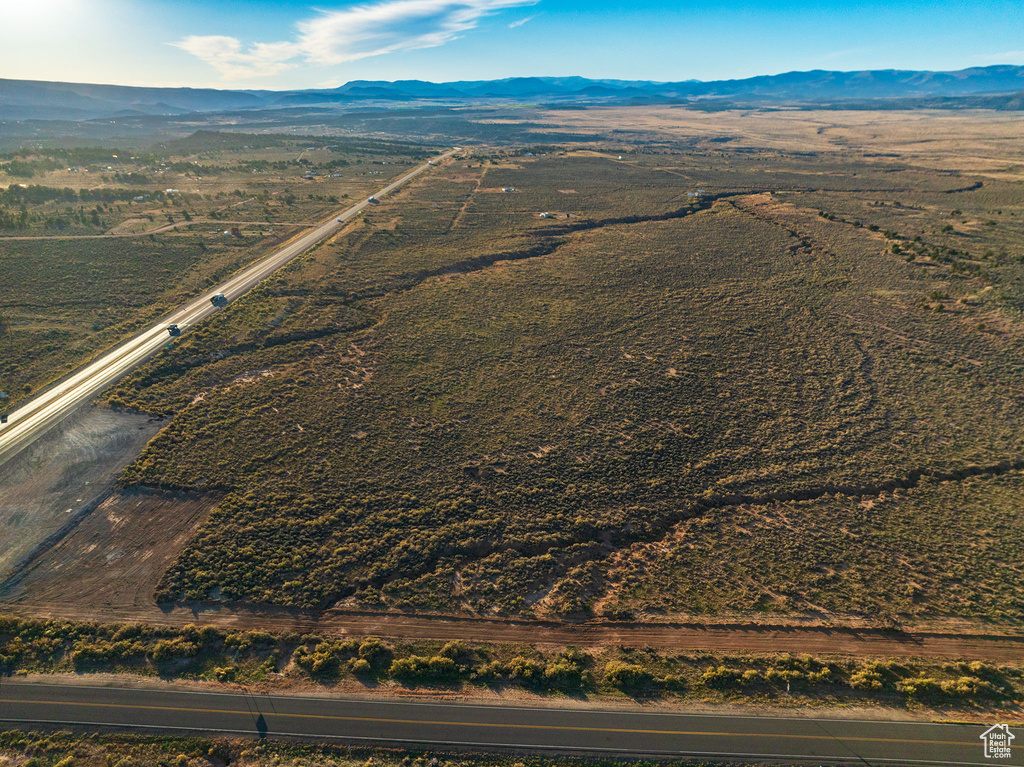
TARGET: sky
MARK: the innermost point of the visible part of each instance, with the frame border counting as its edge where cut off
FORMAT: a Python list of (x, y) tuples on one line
[(287, 44)]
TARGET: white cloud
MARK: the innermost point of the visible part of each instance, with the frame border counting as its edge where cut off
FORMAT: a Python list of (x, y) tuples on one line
[(357, 32), (520, 22), (226, 56), (1007, 57)]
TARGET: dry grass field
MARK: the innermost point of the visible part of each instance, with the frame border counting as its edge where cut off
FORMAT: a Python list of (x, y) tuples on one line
[(795, 392)]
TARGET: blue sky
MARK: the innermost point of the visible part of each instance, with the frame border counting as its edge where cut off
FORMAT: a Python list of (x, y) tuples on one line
[(277, 45)]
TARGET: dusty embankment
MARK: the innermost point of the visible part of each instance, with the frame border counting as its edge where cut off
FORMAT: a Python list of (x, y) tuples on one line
[(48, 486)]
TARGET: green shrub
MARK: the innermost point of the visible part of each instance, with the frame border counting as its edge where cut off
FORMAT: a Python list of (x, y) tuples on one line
[(174, 649), (627, 675), (866, 679), (722, 677), (321, 662), (418, 668), (374, 651), (524, 670)]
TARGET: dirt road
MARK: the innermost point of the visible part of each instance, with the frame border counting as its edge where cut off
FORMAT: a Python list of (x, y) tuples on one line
[(672, 637)]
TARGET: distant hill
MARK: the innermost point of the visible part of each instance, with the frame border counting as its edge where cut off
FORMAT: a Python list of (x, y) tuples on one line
[(29, 100)]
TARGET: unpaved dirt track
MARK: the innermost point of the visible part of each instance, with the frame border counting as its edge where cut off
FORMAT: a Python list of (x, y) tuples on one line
[(674, 637)]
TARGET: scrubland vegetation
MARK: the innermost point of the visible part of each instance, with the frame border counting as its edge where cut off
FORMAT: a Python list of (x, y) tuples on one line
[(654, 374), (741, 400), (282, 660), (93, 245)]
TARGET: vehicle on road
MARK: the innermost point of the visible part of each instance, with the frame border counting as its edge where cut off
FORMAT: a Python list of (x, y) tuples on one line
[(174, 330), (340, 221), (219, 300), (372, 199), (3, 417)]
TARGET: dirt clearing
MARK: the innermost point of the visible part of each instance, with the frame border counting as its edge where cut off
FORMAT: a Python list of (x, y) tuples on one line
[(63, 474), (114, 556)]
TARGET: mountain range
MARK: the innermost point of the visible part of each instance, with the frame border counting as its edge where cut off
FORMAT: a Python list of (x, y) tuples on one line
[(37, 100)]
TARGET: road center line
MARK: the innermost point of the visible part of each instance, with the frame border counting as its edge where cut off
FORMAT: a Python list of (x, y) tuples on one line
[(493, 725)]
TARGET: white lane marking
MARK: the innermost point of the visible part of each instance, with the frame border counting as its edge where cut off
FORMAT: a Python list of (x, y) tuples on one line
[(490, 707), (477, 744)]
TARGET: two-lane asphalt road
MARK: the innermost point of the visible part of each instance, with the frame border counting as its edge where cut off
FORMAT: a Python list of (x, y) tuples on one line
[(34, 417), (589, 730)]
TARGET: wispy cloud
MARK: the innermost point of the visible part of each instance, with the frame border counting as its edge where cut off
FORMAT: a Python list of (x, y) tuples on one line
[(357, 32), (1006, 57), (520, 22), (225, 54)]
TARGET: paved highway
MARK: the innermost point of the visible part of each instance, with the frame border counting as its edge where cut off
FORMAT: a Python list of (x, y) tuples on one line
[(38, 414), (445, 724)]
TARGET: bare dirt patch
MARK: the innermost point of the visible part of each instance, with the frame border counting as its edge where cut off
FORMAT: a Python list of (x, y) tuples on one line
[(63, 474), (114, 557)]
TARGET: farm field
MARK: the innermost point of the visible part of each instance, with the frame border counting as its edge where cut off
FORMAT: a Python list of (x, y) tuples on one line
[(709, 382)]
